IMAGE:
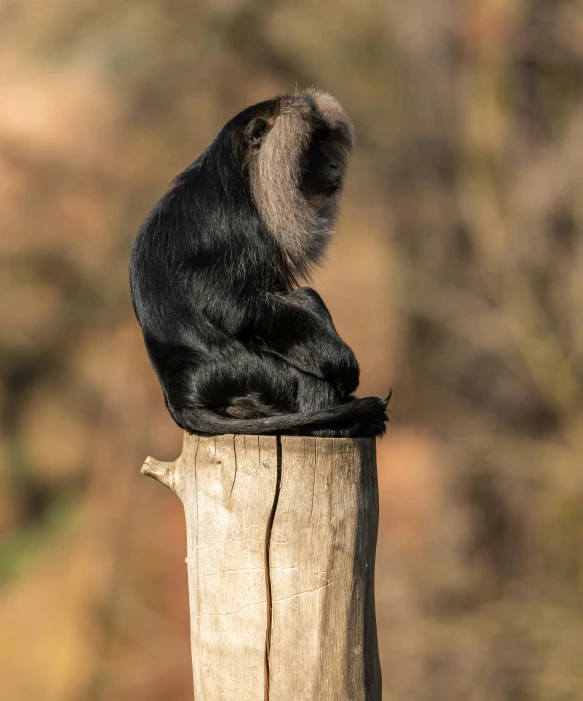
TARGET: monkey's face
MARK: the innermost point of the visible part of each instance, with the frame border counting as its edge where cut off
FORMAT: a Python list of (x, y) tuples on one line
[(295, 151), (322, 168), (307, 134)]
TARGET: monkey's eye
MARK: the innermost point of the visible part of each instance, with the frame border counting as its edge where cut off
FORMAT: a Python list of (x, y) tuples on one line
[(255, 131), (321, 135)]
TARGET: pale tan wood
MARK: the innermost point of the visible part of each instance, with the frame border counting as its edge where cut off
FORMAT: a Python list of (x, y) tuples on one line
[(164, 472), (281, 548), (323, 630)]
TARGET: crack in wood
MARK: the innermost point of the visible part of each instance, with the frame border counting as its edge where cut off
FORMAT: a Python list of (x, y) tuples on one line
[(235, 475), (267, 566), (308, 591)]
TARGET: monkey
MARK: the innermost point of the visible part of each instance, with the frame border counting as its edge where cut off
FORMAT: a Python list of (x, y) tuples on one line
[(215, 272)]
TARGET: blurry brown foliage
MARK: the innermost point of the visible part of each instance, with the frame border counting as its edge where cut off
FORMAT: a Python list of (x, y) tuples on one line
[(457, 276)]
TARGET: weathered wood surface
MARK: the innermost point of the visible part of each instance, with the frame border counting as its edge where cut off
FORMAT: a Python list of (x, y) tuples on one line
[(281, 547)]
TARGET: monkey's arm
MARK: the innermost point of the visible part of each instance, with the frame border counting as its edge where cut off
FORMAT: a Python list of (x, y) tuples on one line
[(298, 328), (309, 299)]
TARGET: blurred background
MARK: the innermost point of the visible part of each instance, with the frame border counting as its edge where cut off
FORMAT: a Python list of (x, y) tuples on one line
[(456, 275)]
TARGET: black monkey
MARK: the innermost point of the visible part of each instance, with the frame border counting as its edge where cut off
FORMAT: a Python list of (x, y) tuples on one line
[(236, 345)]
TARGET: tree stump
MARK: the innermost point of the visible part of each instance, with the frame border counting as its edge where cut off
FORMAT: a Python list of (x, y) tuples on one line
[(281, 550)]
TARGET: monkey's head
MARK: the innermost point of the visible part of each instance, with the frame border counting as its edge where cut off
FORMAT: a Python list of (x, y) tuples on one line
[(294, 150)]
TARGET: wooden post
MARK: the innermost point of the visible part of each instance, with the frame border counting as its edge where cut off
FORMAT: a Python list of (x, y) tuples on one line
[(281, 550)]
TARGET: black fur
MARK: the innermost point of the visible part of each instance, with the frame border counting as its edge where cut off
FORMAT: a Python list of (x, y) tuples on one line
[(235, 347)]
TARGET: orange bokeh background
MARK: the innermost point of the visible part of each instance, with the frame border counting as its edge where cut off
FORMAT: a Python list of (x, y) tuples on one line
[(456, 275)]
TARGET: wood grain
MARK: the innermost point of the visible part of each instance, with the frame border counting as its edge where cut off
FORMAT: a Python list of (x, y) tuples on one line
[(324, 642), (281, 547)]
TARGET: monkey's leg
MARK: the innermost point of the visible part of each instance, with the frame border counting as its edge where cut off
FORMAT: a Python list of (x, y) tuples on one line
[(243, 392)]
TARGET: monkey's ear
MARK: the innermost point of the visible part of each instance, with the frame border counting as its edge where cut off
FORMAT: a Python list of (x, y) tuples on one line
[(255, 131)]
